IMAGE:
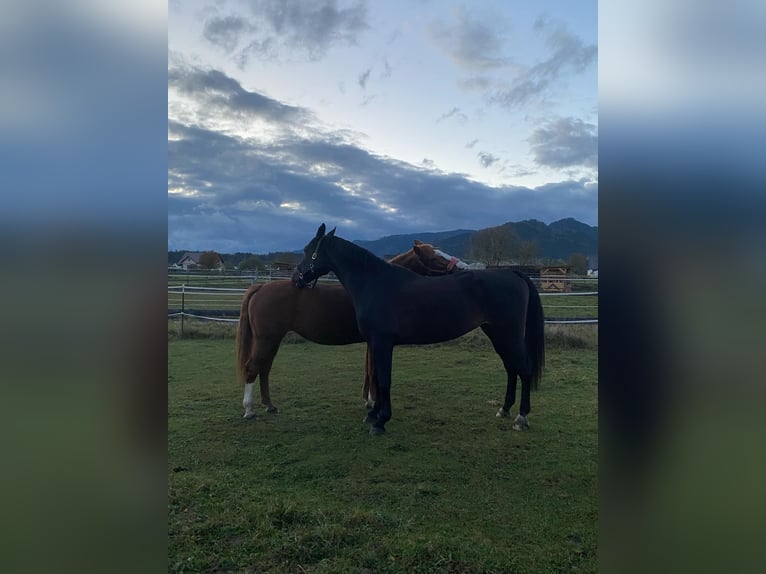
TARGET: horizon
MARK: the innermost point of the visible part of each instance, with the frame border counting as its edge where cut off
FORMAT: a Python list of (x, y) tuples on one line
[(393, 235)]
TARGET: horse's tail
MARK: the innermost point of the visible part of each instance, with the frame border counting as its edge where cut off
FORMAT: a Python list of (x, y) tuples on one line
[(245, 334), (534, 338)]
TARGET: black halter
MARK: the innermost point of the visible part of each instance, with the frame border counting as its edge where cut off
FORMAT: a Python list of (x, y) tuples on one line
[(311, 265)]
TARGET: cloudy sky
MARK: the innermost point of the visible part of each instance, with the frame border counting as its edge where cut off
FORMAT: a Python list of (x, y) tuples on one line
[(376, 117)]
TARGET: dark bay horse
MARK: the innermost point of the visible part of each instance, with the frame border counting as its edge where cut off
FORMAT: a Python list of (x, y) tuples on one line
[(395, 306), (324, 314)]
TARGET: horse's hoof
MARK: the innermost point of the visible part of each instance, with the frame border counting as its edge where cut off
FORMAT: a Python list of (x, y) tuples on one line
[(520, 424), (375, 431), (249, 416), (502, 413), (272, 409), (369, 419)]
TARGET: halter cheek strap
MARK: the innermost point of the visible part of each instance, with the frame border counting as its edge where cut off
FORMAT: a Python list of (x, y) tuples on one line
[(313, 258), (316, 250)]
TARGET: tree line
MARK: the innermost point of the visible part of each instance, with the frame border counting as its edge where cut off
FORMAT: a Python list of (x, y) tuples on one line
[(492, 246), (239, 260), (497, 245)]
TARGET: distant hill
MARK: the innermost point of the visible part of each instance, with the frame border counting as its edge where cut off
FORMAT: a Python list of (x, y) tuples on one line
[(394, 244), (558, 240)]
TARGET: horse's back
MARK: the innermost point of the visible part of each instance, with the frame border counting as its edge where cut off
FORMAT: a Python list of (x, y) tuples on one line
[(466, 300)]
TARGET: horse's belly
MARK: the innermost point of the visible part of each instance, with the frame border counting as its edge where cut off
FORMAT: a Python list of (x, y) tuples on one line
[(326, 316), (423, 329), (429, 338), (340, 331)]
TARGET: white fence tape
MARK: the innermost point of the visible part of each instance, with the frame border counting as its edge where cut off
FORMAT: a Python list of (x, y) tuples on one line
[(225, 291)]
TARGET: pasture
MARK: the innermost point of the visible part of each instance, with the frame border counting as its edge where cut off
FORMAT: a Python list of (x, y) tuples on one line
[(448, 488)]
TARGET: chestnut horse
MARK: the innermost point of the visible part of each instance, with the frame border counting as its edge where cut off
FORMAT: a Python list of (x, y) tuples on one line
[(324, 315)]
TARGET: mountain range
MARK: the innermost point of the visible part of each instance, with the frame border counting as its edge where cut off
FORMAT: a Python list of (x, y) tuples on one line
[(557, 240)]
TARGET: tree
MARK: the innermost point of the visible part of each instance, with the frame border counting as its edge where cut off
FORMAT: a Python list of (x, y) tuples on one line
[(579, 263), (493, 245), (528, 252), (251, 262), (286, 257), (209, 260)]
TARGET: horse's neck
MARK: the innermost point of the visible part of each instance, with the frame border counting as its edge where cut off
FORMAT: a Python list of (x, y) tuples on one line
[(355, 266), (403, 259)]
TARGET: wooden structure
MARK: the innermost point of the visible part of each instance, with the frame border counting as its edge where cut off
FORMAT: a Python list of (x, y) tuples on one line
[(191, 260), (556, 279)]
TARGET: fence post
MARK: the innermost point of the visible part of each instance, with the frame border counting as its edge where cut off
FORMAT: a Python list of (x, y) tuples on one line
[(183, 308)]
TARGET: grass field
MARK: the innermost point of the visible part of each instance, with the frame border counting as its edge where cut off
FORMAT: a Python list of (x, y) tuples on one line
[(448, 488)]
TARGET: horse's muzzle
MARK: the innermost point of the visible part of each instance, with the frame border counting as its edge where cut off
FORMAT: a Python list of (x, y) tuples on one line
[(303, 280)]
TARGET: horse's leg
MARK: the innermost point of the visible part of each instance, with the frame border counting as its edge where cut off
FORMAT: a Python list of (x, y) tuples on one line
[(265, 394), (513, 355), (382, 358), (259, 365), (247, 401), (369, 387), (526, 386)]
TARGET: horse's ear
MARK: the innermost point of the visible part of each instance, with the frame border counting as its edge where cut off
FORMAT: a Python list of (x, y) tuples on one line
[(320, 231), (418, 242), (417, 249), (331, 232)]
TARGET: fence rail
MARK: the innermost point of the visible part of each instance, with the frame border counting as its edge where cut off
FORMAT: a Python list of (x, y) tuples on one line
[(217, 303)]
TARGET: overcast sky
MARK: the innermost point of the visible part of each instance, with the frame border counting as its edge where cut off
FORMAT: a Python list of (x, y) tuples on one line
[(376, 117)]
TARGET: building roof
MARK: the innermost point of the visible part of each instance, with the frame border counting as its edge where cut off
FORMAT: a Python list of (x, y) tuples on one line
[(194, 257)]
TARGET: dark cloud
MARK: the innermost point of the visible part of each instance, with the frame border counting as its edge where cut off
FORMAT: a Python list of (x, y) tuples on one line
[(486, 159), (226, 32), (280, 29), (249, 193), (566, 142), (453, 113), (387, 71), (480, 83), (471, 43), (253, 197), (218, 90), (471, 143), (477, 46), (569, 54), (363, 77)]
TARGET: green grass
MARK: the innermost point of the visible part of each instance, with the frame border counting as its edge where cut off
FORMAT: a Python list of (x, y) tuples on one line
[(448, 488)]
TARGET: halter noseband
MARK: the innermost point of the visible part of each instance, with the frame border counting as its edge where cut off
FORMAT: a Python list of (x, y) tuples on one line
[(313, 258)]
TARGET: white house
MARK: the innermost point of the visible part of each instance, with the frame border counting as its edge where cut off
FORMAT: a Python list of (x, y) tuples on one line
[(190, 260)]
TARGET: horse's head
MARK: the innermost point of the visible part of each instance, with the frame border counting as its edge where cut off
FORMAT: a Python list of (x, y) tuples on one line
[(436, 261), (314, 263)]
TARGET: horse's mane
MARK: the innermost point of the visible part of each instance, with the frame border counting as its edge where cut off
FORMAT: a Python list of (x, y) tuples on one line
[(365, 258)]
